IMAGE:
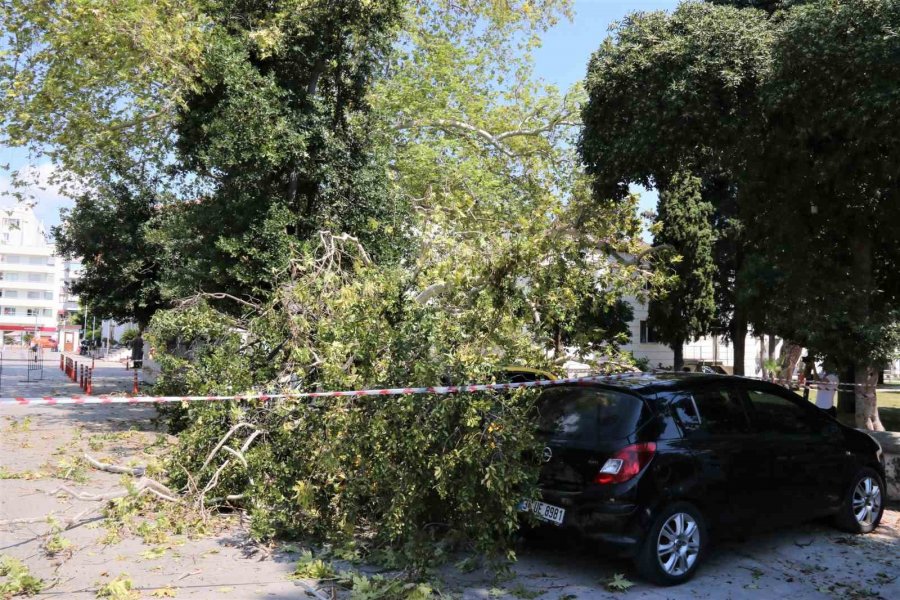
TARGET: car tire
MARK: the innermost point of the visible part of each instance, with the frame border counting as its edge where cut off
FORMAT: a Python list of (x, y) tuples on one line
[(863, 503), (674, 545)]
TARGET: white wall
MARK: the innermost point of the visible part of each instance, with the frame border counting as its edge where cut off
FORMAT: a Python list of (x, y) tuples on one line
[(707, 348)]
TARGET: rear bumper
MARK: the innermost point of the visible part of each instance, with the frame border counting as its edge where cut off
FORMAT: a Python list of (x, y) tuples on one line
[(615, 526)]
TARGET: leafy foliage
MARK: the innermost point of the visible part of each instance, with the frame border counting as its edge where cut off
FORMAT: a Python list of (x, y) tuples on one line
[(95, 84), (120, 588), (369, 194), (782, 114), (109, 231), (342, 466), (674, 93), (277, 131), (683, 222), (16, 579)]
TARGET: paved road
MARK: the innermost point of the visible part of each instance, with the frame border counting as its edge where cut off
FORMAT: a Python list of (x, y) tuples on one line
[(806, 562)]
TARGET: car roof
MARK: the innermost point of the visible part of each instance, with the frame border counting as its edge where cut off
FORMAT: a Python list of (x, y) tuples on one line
[(649, 383)]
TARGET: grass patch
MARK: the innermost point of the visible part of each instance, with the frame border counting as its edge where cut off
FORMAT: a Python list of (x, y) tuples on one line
[(888, 409)]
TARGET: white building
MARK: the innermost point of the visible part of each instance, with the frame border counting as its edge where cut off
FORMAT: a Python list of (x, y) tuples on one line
[(32, 283), (712, 349)]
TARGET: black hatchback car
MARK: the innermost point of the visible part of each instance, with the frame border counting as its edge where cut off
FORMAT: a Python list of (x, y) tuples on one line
[(650, 467)]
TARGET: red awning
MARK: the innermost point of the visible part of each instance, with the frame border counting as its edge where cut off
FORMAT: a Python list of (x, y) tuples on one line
[(5, 327)]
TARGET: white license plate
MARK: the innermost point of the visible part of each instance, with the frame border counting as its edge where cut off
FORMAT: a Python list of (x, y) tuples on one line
[(544, 511)]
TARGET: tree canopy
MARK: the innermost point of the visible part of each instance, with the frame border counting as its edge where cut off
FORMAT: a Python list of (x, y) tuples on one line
[(683, 223), (783, 115), (361, 194), (673, 93), (109, 231)]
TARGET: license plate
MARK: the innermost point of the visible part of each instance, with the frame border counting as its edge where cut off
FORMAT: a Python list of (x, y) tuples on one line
[(544, 511)]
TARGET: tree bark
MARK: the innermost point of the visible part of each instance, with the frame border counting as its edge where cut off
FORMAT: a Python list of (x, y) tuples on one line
[(847, 396), (790, 353), (866, 399), (738, 337), (678, 359), (773, 344), (866, 372)]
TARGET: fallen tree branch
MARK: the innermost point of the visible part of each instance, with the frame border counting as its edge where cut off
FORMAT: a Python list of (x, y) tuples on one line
[(135, 471), (222, 442), (144, 484), (236, 454)]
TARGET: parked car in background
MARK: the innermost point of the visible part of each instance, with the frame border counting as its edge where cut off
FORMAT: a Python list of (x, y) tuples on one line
[(653, 467)]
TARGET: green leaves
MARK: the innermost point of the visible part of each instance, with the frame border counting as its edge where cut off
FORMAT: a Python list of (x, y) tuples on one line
[(16, 579)]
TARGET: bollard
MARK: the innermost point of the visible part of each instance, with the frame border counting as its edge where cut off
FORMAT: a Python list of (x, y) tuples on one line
[(90, 382), (61, 365), (81, 376), (135, 390)]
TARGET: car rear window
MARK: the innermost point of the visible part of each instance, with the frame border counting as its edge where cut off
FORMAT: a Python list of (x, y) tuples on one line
[(580, 416)]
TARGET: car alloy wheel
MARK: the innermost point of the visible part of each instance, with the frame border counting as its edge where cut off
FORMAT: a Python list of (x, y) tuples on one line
[(678, 544), (866, 501)]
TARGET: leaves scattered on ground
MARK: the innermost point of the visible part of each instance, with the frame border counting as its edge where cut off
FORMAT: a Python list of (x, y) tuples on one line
[(120, 588), (57, 546), (309, 567), (618, 583), (16, 579)]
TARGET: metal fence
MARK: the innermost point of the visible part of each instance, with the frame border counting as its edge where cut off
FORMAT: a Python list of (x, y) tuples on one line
[(35, 364)]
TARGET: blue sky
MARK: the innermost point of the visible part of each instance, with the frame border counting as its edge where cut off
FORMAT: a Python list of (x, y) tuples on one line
[(568, 46), (561, 60)]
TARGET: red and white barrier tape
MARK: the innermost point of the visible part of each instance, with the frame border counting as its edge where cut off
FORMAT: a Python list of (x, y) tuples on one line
[(404, 391), (450, 389), (814, 385)]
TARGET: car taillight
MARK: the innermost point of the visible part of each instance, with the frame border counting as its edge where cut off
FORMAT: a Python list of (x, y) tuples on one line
[(626, 463)]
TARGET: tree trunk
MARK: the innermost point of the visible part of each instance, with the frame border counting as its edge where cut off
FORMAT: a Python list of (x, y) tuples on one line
[(738, 337), (678, 360), (866, 372), (761, 358), (847, 396), (790, 353), (773, 345), (866, 399)]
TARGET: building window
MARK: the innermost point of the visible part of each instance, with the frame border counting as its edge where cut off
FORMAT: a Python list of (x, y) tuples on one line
[(34, 295), (4, 238), (37, 277), (10, 293), (9, 276), (48, 295), (46, 312), (37, 260), (648, 334), (32, 312), (9, 310), (10, 223), (12, 259)]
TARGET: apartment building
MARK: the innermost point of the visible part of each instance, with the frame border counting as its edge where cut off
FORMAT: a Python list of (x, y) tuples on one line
[(33, 288)]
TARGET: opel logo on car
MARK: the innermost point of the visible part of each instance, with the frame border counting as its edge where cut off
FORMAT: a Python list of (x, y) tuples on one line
[(547, 454)]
